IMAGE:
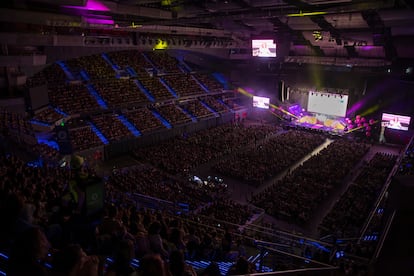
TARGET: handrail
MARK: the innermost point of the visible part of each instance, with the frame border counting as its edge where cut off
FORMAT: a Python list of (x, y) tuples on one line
[(293, 271), (384, 190), (274, 231), (383, 236), (296, 256)]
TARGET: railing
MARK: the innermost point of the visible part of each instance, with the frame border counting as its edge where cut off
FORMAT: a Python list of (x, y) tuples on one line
[(312, 271), (390, 218), (158, 204), (382, 198)]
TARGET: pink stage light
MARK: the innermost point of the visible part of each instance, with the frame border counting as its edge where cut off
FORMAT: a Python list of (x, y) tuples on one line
[(91, 5)]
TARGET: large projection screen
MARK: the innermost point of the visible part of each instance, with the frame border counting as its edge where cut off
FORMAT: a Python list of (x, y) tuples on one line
[(261, 102), (394, 121), (327, 103), (263, 48)]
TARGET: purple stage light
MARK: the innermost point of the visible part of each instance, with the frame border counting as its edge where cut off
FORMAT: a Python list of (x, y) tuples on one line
[(357, 106), (99, 21), (91, 5)]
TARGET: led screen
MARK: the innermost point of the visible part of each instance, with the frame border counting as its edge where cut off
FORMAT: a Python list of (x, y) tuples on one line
[(327, 103), (394, 121), (263, 48), (261, 102)]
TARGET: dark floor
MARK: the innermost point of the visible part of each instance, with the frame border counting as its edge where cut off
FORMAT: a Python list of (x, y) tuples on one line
[(397, 255)]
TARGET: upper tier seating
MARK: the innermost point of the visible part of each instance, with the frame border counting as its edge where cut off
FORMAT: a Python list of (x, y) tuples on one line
[(144, 120)]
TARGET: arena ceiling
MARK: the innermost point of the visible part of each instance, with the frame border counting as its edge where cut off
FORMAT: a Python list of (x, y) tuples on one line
[(381, 29), (345, 28)]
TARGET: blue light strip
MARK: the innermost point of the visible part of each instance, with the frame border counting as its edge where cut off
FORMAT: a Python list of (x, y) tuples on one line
[(168, 88), (50, 143), (65, 69), (110, 62), (97, 97), (201, 84), (182, 68), (162, 119), (209, 108), (99, 133), (222, 80), (222, 102), (149, 60), (39, 123), (84, 75), (131, 71), (144, 90), (129, 125), (193, 118), (186, 66), (60, 111)]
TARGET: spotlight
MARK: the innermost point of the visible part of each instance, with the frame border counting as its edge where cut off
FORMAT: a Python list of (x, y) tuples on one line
[(317, 35)]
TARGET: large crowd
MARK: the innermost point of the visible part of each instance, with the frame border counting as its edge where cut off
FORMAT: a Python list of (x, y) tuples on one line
[(183, 84), (83, 138), (118, 92), (201, 147), (43, 208), (350, 212), (164, 62), (48, 115), (214, 104), (45, 223), (157, 89), (173, 114), (196, 108), (295, 197), (94, 66), (111, 127), (72, 98), (48, 208), (212, 84), (269, 158), (144, 120)]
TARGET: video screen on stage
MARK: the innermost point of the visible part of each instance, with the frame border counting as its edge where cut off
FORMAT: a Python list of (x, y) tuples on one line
[(263, 48), (261, 102), (394, 121), (327, 103)]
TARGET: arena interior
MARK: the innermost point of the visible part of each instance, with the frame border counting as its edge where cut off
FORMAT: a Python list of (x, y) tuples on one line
[(206, 137)]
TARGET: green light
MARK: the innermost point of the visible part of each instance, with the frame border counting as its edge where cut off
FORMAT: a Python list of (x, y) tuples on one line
[(62, 123), (166, 3), (160, 45), (305, 14)]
